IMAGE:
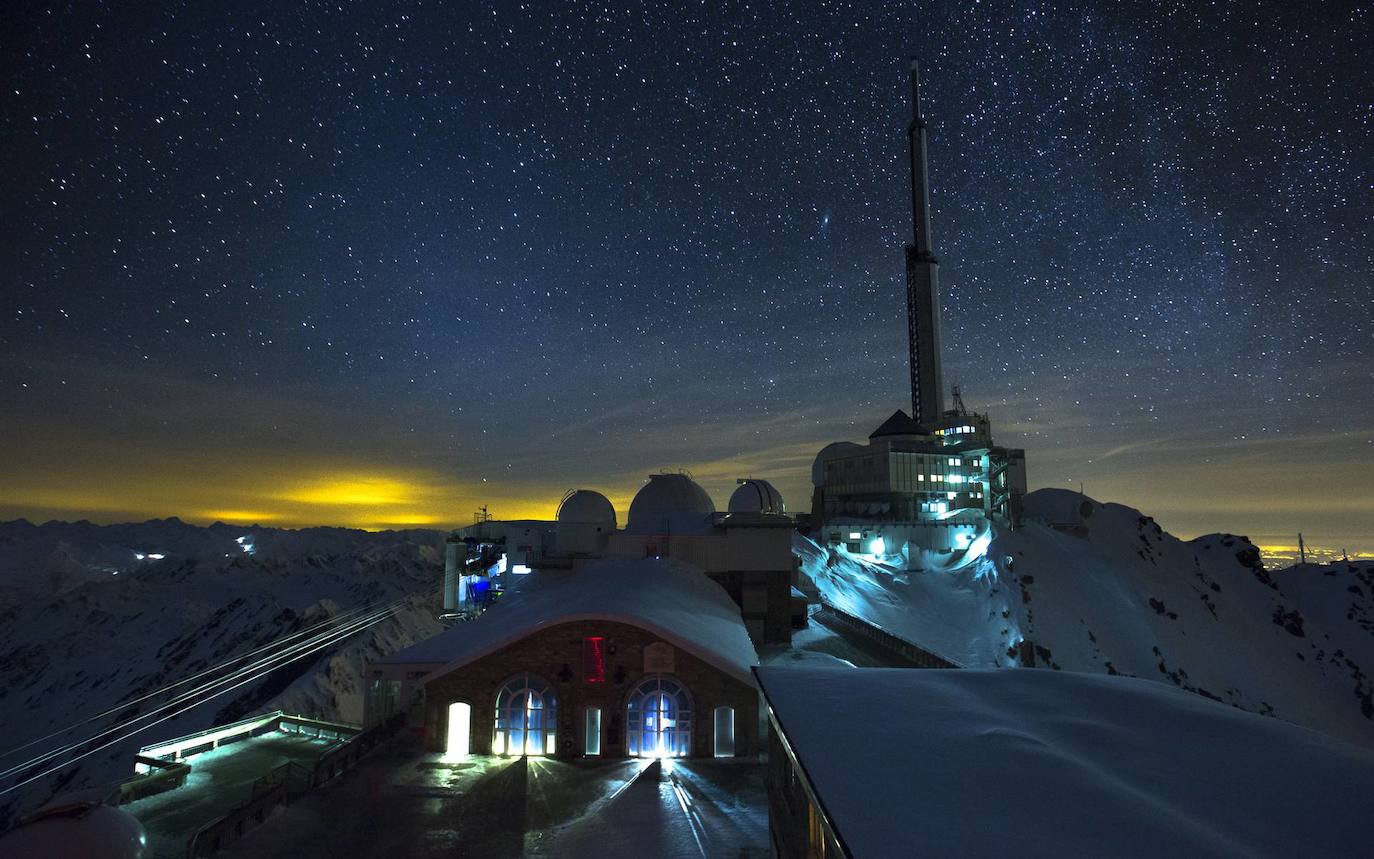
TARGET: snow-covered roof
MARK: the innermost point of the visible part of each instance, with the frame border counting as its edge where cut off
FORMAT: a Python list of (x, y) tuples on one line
[(670, 599), (976, 763)]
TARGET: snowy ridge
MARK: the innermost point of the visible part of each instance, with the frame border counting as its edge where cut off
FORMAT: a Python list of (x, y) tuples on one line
[(86, 623), (1127, 598), (984, 762)]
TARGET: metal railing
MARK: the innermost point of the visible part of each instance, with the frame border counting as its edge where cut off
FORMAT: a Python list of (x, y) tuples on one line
[(919, 655), (159, 776), (287, 783)]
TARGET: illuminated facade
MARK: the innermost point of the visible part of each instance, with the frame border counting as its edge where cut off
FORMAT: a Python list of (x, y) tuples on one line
[(619, 658), (929, 491)]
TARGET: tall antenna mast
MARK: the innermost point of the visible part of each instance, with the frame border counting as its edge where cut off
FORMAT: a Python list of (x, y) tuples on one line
[(922, 279), (920, 171)]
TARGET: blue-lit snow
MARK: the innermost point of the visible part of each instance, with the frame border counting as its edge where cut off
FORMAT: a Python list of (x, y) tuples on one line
[(1127, 597)]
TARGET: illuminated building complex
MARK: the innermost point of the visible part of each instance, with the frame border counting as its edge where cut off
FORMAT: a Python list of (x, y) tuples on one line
[(605, 642), (932, 479)]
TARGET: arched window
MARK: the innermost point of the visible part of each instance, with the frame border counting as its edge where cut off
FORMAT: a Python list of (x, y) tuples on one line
[(660, 719), (526, 717)]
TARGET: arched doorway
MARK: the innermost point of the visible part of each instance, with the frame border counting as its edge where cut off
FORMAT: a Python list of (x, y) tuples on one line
[(659, 719), (526, 717)]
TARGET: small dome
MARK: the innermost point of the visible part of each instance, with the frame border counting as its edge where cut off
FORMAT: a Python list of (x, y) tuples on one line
[(756, 496), (77, 830), (670, 504), (585, 506)]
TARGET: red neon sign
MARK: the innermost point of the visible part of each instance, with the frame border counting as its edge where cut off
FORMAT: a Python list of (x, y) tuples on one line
[(594, 659)]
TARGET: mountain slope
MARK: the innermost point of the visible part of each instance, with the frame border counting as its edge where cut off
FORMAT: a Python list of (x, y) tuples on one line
[(1121, 596), (93, 616)]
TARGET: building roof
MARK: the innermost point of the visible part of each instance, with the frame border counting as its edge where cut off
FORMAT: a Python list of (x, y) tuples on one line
[(965, 762), (900, 423), (675, 601)]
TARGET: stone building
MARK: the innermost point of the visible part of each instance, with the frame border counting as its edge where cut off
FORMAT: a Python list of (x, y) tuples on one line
[(619, 657)]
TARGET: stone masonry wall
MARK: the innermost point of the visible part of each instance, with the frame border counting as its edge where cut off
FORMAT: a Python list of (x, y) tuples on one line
[(555, 655)]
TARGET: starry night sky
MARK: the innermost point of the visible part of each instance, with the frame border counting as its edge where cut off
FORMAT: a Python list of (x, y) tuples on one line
[(377, 264)]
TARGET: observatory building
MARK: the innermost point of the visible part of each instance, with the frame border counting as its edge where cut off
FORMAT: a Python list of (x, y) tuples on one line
[(931, 479), (611, 642), (747, 549)]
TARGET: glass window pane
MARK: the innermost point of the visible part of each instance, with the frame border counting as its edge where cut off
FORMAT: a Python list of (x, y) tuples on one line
[(725, 732), (593, 735)]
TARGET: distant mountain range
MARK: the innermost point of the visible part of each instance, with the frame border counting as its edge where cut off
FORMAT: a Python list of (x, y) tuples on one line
[(92, 616)]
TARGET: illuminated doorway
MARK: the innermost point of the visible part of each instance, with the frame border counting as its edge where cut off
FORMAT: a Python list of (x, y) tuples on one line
[(459, 732), (659, 719)]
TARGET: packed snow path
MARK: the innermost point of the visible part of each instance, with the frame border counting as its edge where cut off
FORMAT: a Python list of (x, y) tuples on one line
[(680, 810), (405, 803)]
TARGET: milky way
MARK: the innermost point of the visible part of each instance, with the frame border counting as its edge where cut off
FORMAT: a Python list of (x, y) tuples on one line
[(429, 256)]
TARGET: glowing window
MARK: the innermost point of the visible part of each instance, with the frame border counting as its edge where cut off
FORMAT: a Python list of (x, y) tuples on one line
[(725, 732), (526, 717), (659, 719), (592, 743), (854, 535), (594, 660)]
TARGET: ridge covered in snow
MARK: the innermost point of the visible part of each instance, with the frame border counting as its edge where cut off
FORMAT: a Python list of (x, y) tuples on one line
[(92, 616), (1111, 592), (977, 763)]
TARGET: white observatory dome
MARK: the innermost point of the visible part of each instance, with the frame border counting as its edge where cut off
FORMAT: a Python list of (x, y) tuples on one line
[(670, 504), (76, 830), (585, 506), (756, 496)]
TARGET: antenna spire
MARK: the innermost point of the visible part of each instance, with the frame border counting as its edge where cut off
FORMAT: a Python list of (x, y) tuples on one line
[(920, 178), (922, 279)]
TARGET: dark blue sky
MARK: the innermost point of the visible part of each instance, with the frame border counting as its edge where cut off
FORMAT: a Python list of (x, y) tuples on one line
[(433, 255)]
